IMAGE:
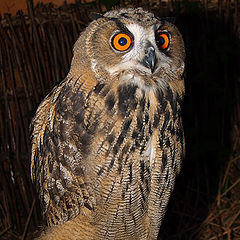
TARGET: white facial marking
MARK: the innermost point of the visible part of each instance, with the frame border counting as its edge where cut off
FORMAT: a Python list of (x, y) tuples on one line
[(140, 38)]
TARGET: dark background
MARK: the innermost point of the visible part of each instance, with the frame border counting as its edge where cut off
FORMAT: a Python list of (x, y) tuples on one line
[(35, 55)]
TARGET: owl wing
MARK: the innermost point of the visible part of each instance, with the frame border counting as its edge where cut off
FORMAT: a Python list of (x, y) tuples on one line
[(58, 148)]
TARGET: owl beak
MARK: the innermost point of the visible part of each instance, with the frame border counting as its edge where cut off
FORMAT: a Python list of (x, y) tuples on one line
[(149, 60)]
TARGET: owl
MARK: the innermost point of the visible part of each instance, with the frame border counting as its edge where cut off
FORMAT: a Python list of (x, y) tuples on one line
[(107, 142)]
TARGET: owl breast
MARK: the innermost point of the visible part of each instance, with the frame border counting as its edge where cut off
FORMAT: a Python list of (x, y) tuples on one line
[(133, 132)]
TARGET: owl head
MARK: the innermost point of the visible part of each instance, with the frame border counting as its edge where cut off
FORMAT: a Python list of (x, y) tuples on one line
[(130, 43)]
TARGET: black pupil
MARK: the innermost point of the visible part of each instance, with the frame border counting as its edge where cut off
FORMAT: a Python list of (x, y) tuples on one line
[(122, 41), (161, 40)]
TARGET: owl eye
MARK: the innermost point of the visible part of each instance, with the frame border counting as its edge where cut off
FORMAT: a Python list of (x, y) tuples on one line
[(121, 42), (162, 39)]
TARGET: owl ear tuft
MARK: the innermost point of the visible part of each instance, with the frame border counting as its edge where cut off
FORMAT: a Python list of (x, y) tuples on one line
[(95, 16)]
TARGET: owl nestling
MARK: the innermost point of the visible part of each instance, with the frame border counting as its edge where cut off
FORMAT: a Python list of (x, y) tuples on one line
[(107, 142)]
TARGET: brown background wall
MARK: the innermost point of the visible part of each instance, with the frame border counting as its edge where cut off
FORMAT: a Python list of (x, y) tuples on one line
[(12, 6)]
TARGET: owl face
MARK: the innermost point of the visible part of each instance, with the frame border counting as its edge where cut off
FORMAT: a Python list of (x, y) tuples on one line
[(133, 41)]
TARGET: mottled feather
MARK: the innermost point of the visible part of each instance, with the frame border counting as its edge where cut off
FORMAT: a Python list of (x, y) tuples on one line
[(108, 142)]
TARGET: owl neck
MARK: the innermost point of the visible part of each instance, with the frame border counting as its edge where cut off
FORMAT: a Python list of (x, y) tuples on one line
[(149, 84)]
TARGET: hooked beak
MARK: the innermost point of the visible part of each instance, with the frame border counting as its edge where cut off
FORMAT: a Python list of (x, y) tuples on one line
[(149, 60)]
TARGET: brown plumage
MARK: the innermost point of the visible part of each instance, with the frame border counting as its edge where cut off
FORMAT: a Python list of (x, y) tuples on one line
[(107, 143)]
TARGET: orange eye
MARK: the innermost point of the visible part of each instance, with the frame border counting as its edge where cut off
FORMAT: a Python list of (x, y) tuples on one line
[(162, 40), (121, 42)]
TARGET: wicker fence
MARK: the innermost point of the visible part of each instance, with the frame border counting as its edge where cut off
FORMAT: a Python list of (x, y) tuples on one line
[(35, 54)]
